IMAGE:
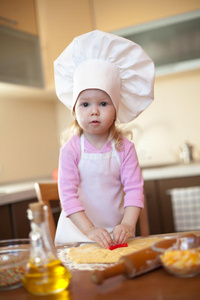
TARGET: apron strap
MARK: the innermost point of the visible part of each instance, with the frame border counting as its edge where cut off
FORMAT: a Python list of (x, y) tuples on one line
[(82, 144), (115, 152)]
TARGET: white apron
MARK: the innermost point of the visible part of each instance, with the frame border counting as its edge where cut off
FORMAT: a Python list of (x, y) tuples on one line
[(100, 192)]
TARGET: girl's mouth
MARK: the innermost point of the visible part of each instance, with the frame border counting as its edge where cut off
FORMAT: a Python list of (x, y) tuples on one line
[(95, 123)]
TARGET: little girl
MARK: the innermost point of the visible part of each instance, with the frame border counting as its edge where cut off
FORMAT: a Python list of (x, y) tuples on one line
[(103, 79)]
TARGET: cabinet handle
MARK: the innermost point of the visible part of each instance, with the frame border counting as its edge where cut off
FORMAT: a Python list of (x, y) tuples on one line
[(8, 21)]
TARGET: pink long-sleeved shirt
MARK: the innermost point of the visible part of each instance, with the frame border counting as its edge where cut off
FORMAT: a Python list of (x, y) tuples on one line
[(68, 175)]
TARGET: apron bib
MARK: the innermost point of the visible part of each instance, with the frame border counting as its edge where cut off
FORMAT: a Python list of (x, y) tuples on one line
[(100, 192)]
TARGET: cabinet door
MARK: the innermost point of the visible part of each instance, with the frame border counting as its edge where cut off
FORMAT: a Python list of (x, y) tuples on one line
[(21, 224), (164, 185), (19, 15), (5, 223), (55, 208), (153, 207)]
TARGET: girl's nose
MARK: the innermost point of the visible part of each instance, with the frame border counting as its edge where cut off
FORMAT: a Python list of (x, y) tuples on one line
[(95, 111)]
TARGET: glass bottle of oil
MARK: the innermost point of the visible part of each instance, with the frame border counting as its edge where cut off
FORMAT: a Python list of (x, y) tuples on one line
[(44, 274)]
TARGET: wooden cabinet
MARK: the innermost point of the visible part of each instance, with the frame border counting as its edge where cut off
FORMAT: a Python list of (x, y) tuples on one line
[(6, 231), (59, 22), (111, 15), (21, 224), (159, 201), (19, 15), (13, 220), (20, 48), (56, 210), (153, 206)]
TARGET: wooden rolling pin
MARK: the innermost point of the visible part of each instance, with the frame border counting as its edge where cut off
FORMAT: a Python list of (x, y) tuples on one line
[(135, 264)]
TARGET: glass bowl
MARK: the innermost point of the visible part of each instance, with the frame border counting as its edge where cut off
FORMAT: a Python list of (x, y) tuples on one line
[(14, 255), (181, 256)]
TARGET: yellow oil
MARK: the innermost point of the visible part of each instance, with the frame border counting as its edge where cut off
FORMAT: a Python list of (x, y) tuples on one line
[(46, 279)]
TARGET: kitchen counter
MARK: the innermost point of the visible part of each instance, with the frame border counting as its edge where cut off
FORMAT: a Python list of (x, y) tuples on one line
[(11, 193), (16, 192), (171, 171)]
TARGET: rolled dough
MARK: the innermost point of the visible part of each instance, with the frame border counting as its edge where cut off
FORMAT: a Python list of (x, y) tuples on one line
[(95, 254)]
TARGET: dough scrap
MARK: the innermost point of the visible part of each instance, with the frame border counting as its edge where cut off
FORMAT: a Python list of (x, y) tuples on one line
[(95, 254)]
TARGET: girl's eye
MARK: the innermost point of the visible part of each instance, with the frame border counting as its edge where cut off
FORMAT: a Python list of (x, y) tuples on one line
[(103, 103), (85, 104)]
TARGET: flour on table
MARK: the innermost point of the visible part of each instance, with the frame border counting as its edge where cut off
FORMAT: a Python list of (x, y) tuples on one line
[(95, 254)]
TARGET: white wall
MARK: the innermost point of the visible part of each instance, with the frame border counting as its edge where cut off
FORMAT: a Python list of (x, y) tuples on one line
[(29, 139), (172, 119)]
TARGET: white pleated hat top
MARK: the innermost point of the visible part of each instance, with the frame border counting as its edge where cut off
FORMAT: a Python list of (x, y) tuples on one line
[(118, 66)]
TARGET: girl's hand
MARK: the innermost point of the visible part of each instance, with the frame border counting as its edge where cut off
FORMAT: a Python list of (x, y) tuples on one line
[(122, 232), (101, 236)]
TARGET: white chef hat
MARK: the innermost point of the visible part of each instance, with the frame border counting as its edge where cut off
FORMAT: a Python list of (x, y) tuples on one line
[(118, 66)]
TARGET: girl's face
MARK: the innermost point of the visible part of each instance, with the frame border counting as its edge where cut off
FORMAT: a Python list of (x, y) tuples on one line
[(95, 112)]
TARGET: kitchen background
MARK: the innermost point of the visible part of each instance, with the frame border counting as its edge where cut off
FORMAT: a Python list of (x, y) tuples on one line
[(32, 118)]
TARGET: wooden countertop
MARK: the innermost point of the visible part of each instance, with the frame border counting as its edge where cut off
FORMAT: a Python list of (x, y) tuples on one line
[(157, 284)]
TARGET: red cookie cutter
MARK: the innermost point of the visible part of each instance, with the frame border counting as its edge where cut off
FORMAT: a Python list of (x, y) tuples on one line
[(118, 246)]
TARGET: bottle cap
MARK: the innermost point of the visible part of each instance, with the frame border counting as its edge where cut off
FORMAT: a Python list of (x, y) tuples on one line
[(36, 212)]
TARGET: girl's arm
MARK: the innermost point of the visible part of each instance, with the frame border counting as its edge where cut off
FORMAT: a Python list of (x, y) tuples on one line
[(132, 182), (99, 235), (125, 230)]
